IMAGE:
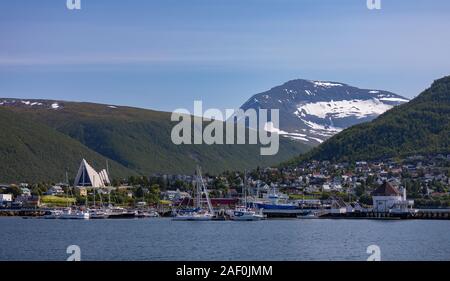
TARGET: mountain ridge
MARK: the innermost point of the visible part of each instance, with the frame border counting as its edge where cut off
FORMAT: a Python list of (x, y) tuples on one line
[(421, 126), (140, 139), (311, 111)]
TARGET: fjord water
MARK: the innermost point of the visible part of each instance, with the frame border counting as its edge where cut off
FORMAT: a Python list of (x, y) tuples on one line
[(164, 239)]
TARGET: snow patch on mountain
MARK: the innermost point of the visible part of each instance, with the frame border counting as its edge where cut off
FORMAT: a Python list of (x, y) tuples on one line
[(326, 84), (312, 111), (394, 99), (343, 108), (269, 127), (11, 102)]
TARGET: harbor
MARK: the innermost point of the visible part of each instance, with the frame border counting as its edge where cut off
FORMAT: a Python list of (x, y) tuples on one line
[(92, 195)]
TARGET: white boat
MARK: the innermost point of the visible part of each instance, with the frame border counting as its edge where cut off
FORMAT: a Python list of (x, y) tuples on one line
[(244, 213), (97, 214), (54, 214), (74, 214), (147, 214), (241, 213), (119, 213), (194, 216), (311, 215), (200, 214)]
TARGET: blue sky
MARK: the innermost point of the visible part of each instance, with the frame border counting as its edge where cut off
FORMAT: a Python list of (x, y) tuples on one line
[(164, 54)]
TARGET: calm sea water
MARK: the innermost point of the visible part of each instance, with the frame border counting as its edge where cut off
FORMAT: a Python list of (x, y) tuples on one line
[(164, 239)]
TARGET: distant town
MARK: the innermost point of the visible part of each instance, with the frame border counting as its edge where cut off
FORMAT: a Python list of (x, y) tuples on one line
[(310, 185)]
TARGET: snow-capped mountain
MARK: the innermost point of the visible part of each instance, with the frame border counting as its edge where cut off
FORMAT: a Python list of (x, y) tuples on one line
[(312, 111)]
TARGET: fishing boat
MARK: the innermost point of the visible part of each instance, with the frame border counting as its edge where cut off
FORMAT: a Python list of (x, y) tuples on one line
[(275, 202), (244, 213), (199, 213)]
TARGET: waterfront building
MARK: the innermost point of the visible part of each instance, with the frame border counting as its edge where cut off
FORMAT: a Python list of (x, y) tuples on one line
[(4, 198), (387, 197), (32, 201)]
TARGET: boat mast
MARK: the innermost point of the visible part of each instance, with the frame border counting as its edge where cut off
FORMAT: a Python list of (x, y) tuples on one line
[(67, 182), (101, 201), (198, 193), (110, 185), (204, 190), (93, 187), (245, 188)]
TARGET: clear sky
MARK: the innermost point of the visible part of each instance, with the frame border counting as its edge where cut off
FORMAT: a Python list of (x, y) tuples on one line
[(164, 54)]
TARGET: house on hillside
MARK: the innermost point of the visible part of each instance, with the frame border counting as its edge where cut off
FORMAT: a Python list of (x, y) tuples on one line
[(55, 190), (25, 191)]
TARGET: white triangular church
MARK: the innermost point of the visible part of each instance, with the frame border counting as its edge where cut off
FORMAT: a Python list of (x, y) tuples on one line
[(87, 176)]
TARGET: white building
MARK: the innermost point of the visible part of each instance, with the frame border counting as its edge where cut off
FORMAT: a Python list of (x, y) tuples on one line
[(87, 176), (387, 198), (25, 191), (5, 198), (55, 190)]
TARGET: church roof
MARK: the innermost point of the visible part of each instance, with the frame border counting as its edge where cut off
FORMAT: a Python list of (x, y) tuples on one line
[(386, 189), (87, 176)]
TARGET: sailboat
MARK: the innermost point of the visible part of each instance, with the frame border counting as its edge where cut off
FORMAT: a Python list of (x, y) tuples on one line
[(199, 213), (68, 212), (244, 213), (74, 214), (97, 213)]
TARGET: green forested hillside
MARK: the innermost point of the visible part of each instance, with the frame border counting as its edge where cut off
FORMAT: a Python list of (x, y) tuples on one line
[(139, 139), (419, 126), (31, 151)]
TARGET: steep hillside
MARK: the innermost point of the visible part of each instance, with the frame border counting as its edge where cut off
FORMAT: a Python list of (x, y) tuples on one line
[(420, 126), (139, 139), (31, 151)]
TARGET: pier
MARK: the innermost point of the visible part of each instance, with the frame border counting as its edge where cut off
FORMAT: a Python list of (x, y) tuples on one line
[(31, 212), (424, 214), (429, 214)]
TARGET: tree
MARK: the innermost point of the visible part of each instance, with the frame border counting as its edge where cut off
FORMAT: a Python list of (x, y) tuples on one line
[(139, 193), (14, 190), (154, 194), (366, 199)]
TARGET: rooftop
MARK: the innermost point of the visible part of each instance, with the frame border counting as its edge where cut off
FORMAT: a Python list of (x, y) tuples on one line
[(386, 189)]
